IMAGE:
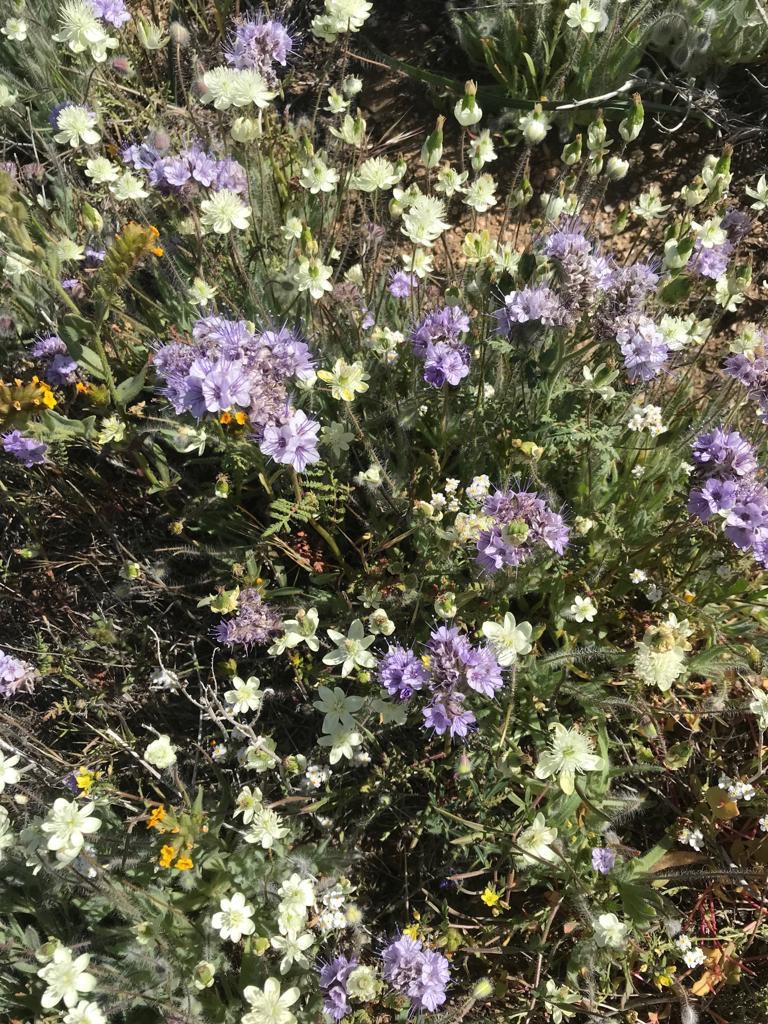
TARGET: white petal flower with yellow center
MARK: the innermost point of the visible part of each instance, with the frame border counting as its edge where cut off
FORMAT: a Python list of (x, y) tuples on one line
[(68, 824), (313, 276), (233, 920), (351, 650), (76, 126), (570, 753), (535, 843), (9, 775), (508, 639), (346, 380), (269, 1004), (223, 211), (66, 977), (245, 695)]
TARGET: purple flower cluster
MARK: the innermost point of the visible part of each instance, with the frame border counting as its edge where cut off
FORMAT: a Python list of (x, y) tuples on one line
[(751, 370), (27, 450), (455, 669), (711, 262), (257, 44), (603, 859), (61, 367), (254, 623), (401, 283), (726, 485), (643, 346), (114, 12), (581, 270), (193, 166), (227, 366), (16, 676), (438, 340), (522, 522), (419, 973), (333, 985), (536, 304)]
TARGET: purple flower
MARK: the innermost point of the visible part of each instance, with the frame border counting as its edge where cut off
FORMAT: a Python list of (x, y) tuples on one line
[(45, 348), (27, 450), (292, 443), (290, 352), (724, 452), (484, 672), (643, 347), (603, 859), (711, 262), (449, 716), (522, 522), (714, 496), (255, 622), (421, 974), (582, 272), (114, 12), (538, 304), (627, 288), (216, 385), (736, 225), (16, 676), (445, 365), (333, 985), (401, 283), (401, 672), (258, 43), (61, 370)]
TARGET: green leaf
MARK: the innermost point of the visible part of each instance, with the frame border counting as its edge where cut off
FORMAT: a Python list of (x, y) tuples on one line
[(59, 428), (677, 290), (128, 389)]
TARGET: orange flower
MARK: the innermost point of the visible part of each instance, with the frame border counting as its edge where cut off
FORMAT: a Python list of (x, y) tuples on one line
[(167, 853), (240, 418), (225, 418), (184, 863), (82, 388), (157, 250), (157, 815)]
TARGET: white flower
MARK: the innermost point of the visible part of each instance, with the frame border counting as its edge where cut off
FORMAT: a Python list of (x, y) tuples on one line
[(759, 194), (376, 173), (694, 958), (297, 890), (508, 639), (7, 98), (646, 417), (270, 1005), (638, 576), (266, 828), (557, 995), (9, 776), (101, 171), (75, 125), (245, 695), (260, 755), (649, 205), (302, 629), (693, 838), (610, 931), (67, 249), (236, 87), (292, 229), (481, 193), (467, 111), (66, 978), (418, 262), (450, 181), (316, 775), (342, 742), (351, 650), (248, 803), (16, 29), (570, 752), (7, 838), (727, 293), (200, 293), (534, 125), (339, 17), (710, 234), (481, 151), (535, 843), (584, 16), (337, 706), (128, 186), (352, 130), (423, 220), (224, 211), (68, 825), (583, 609), (161, 752), (317, 176), (84, 1013), (292, 946), (313, 276), (380, 623), (234, 919), (659, 667), (81, 30)]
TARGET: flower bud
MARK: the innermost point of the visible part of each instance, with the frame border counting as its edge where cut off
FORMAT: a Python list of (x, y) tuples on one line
[(616, 168), (677, 252), (179, 34), (534, 125), (467, 111), (596, 133), (432, 150), (150, 35), (204, 974), (92, 217), (632, 125), (245, 129), (483, 989), (572, 152), (445, 605)]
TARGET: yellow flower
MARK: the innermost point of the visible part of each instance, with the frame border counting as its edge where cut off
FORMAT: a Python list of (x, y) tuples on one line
[(412, 931), (665, 977), (184, 863), (82, 388), (241, 418), (84, 780), (167, 854), (490, 897)]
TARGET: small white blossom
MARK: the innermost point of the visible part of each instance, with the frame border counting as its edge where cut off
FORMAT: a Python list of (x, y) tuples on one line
[(610, 932), (233, 920), (161, 752), (351, 650), (245, 695), (583, 609), (66, 977), (223, 211)]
